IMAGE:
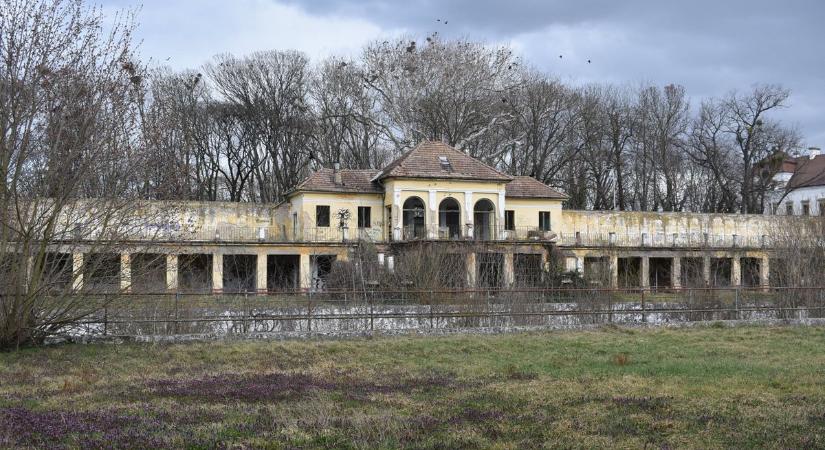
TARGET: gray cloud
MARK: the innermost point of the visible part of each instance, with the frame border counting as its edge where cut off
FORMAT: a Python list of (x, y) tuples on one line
[(710, 47)]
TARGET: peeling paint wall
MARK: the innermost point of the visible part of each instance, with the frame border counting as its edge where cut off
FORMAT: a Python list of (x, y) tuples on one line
[(654, 223)]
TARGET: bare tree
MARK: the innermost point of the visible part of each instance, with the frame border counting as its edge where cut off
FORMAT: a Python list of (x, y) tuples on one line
[(455, 91), (70, 152)]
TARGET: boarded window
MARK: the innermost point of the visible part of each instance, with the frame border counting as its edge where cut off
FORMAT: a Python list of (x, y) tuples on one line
[(322, 216), (364, 220), (544, 220), (509, 220)]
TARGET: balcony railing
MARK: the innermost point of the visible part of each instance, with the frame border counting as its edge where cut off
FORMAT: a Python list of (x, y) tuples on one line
[(663, 240), (275, 234), (471, 233)]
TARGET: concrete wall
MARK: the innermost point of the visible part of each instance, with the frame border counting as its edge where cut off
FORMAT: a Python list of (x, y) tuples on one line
[(658, 223)]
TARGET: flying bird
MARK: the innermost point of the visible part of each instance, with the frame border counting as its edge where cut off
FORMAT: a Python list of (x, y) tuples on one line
[(559, 56), (588, 61)]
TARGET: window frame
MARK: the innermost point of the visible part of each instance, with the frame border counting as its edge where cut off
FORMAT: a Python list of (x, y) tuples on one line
[(543, 214), (362, 217), (789, 208), (509, 220), (318, 215), (806, 208)]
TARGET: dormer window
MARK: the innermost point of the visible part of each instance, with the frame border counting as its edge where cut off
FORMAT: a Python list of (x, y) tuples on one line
[(445, 164)]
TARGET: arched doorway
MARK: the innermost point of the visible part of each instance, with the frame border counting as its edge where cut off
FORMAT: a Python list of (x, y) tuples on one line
[(414, 220), (484, 219), (449, 219)]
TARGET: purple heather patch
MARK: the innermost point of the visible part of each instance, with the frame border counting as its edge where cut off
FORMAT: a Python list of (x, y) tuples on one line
[(62, 429)]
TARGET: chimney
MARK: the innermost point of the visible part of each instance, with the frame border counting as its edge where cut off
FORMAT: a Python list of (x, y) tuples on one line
[(336, 174), (813, 152)]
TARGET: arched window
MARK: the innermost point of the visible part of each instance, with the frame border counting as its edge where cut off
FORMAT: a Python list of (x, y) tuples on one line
[(414, 219), (484, 219), (449, 219)]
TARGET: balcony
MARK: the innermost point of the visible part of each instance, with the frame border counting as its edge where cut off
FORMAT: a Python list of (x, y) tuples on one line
[(471, 233)]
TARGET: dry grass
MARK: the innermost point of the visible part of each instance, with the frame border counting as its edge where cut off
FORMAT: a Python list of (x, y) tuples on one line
[(698, 388)]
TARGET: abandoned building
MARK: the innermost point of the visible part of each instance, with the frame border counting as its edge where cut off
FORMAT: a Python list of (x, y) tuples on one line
[(501, 229)]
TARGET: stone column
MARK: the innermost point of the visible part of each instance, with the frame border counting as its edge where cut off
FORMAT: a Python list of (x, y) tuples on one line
[(676, 272), (706, 270), (432, 215), (500, 220), (261, 273), (468, 208), (644, 272), (172, 272), (217, 272), (765, 272), (397, 219), (614, 271), (509, 273), (736, 271), (125, 272), (77, 271), (305, 271), (471, 269)]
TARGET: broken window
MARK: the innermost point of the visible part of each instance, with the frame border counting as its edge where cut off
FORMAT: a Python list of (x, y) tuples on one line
[(445, 164), (364, 219), (322, 216), (789, 208), (821, 204), (806, 208)]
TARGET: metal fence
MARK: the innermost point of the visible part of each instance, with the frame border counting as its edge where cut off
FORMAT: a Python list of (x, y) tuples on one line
[(364, 311)]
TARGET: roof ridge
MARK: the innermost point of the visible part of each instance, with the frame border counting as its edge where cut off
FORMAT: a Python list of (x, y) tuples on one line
[(468, 167)]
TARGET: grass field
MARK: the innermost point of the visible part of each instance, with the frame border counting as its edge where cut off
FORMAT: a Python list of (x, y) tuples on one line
[(684, 388)]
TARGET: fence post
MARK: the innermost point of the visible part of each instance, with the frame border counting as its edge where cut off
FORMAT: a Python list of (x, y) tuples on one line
[(736, 304), (177, 315), (431, 308), (371, 314), (644, 314), (309, 312), (243, 319), (105, 315)]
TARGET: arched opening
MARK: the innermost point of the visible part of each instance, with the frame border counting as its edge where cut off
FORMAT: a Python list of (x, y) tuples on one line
[(449, 219), (484, 217), (414, 220)]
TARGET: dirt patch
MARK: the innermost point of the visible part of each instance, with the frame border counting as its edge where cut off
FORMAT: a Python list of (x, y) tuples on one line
[(279, 386)]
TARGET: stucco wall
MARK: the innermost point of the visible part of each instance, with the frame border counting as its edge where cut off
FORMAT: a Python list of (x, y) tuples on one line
[(814, 195), (653, 223), (526, 212)]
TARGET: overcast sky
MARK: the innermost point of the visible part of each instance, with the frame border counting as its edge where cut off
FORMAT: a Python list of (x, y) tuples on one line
[(709, 46)]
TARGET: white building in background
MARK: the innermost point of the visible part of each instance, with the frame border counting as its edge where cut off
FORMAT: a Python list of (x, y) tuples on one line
[(800, 186)]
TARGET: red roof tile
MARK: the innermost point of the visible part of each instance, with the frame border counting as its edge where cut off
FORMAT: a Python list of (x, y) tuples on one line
[(529, 187), (809, 172), (423, 162), (354, 181)]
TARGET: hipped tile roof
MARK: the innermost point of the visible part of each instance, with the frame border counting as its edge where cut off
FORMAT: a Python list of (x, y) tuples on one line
[(808, 172), (353, 181), (529, 187), (423, 162)]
